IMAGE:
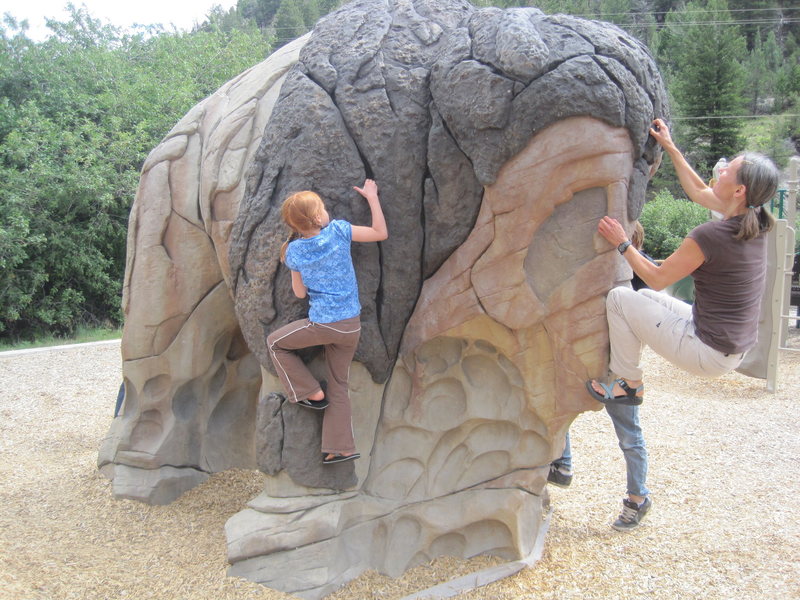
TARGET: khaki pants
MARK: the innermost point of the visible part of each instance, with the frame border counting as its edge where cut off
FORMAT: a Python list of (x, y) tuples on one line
[(665, 324), (339, 340)]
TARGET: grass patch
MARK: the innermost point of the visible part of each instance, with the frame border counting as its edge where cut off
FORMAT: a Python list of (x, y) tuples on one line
[(82, 335)]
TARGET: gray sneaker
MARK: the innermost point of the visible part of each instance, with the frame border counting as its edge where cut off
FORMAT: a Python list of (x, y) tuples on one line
[(559, 476), (631, 515)]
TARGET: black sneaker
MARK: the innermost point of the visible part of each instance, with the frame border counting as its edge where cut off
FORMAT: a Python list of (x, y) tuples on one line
[(559, 476), (632, 514)]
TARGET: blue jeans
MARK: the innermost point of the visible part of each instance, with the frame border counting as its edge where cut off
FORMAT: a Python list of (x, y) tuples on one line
[(565, 462), (631, 441)]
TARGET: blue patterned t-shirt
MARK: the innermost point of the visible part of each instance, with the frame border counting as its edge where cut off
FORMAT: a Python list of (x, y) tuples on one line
[(326, 266)]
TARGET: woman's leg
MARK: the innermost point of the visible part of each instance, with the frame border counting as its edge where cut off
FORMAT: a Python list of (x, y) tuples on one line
[(297, 380), (637, 318), (665, 324), (679, 307)]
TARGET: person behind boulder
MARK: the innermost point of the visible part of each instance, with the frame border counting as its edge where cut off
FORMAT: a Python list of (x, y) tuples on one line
[(637, 241), (624, 418), (318, 256), (560, 473), (727, 260)]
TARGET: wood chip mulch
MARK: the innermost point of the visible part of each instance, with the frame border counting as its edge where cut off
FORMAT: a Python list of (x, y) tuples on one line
[(724, 470)]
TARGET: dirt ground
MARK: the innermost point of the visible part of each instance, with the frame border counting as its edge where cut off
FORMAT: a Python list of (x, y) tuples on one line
[(724, 468)]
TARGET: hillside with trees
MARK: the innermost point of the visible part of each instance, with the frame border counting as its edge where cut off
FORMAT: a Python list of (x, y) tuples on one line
[(80, 111)]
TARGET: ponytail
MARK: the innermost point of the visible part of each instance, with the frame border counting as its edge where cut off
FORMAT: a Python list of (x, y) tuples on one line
[(292, 236), (759, 175), (756, 220)]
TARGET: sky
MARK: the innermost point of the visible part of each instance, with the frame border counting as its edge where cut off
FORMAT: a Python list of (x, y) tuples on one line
[(122, 13)]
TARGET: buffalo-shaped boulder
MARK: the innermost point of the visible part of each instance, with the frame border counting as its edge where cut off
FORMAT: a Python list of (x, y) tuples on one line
[(498, 139)]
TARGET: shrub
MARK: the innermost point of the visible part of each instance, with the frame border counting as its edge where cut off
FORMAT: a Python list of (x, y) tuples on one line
[(666, 221)]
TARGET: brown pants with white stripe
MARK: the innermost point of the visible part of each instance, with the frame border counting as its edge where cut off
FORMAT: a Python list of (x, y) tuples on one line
[(339, 340)]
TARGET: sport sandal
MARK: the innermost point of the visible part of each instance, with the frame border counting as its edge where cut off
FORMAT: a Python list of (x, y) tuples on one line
[(629, 398)]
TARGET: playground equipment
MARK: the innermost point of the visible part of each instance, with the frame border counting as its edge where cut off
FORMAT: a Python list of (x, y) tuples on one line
[(762, 361)]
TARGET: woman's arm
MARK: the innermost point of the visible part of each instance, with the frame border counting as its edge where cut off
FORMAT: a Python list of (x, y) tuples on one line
[(691, 182), (678, 265), (298, 287), (684, 261), (377, 231)]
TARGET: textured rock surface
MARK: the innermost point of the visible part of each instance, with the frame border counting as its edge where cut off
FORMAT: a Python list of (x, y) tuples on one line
[(191, 382), (430, 100), (498, 139)]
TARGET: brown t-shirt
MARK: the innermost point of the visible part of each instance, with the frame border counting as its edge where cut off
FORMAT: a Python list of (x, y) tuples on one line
[(728, 286)]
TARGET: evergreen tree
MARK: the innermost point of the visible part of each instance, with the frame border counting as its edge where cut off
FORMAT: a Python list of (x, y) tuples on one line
[(756, 74), (262, 11), (311, 13), (703, 53), (787, 84), (327, 6), (642, 22), (233, 19), (289, 22)]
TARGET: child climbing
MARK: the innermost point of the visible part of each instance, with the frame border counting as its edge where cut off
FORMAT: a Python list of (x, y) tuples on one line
[(318, 255)]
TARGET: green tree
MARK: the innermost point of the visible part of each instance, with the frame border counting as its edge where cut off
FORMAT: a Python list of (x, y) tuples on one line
[(763, 68), (78, 114), (787, 82), (219, 19), (289, 22), (757, 18), (294, 18), (262, 11), (703, 51)]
